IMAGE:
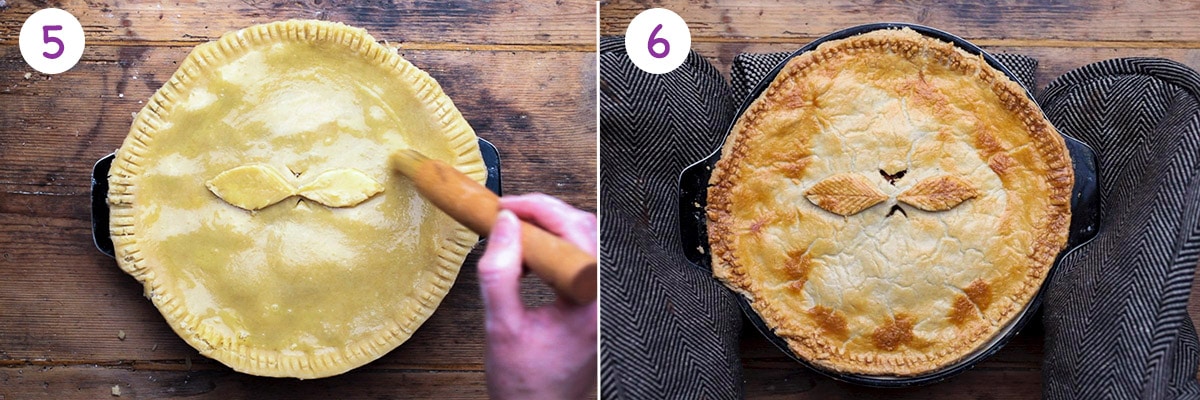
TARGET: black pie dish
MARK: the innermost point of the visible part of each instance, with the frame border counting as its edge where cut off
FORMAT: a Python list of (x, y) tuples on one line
[(100, 212), (1085, 220)]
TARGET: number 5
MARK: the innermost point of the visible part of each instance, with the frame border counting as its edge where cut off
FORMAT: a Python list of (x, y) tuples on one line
[(656, 40), (46, 38)]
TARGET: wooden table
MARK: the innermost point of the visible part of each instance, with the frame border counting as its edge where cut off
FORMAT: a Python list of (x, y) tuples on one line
[(522, 73), (1063, 35)]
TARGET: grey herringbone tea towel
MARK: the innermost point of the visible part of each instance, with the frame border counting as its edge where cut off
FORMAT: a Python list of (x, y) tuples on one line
[(1115, 317), (668, 330), (1116, 314)]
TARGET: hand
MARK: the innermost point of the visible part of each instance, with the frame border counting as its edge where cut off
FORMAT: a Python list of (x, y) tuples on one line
[(542, 353)]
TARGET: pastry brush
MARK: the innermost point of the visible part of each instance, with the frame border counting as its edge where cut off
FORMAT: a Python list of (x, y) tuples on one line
[(564, 266)]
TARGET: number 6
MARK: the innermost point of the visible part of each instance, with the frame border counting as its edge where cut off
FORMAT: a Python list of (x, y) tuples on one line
[(46, 38), (656, 40)]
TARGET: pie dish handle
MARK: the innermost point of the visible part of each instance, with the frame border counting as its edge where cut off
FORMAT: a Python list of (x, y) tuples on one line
[(1086, 217), (103, 240), (693, 219)]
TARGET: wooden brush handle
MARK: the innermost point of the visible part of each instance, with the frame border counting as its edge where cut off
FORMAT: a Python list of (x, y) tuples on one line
[(565, 267)]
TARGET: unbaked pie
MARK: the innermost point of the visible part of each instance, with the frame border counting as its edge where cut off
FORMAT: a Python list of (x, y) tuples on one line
[(253, 200), (889, 203)]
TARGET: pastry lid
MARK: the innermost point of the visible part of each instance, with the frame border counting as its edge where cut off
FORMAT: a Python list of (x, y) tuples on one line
[(199, 199), (1085, 218)]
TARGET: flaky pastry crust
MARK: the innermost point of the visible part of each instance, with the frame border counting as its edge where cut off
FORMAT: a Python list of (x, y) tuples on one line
[(889, 203)]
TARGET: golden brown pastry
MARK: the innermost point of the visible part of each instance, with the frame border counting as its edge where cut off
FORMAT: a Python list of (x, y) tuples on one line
[(253, 199), (889, 203)]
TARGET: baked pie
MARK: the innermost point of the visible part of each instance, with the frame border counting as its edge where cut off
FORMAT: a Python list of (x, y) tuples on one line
[(889, 203), (253, 199)]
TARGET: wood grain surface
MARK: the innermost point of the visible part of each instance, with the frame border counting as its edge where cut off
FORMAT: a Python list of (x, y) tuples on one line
[(1062, 35), (432, 24), (523, 81)]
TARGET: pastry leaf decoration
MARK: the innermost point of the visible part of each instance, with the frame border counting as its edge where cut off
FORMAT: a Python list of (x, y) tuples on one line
[(845, 194), (340, 188), (251, 187), (257, 186), (939, 193)]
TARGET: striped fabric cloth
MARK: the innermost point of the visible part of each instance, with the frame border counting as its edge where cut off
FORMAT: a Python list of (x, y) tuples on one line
[(668, 330), (1115, 316)]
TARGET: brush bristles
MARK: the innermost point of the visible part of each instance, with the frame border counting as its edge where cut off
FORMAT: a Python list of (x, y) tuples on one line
[(406, 161)]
